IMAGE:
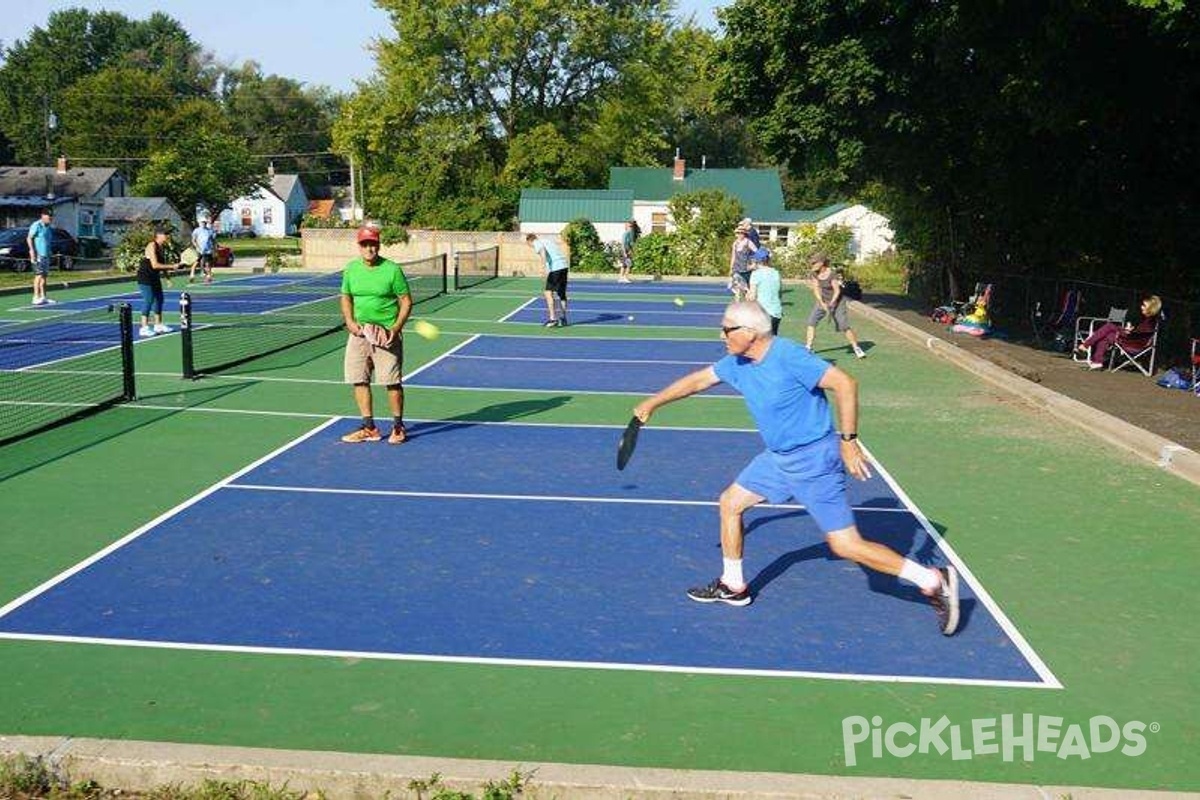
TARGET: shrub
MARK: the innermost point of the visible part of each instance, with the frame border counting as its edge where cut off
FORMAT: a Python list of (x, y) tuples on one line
[(128, 254), (276, 261), (653, 255), (587, 251)]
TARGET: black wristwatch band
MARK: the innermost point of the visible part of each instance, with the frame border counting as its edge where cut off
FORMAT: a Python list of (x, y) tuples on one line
[(849, 437)]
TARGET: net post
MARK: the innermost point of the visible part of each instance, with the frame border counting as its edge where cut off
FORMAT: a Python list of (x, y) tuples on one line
[(127, 371), (445, 288), (185, 336), (456, 261)]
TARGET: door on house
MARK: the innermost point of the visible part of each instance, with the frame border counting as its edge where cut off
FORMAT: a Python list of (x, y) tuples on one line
[(247, 218)]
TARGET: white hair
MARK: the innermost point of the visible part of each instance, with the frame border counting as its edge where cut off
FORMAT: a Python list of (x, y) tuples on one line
[(749, 314)]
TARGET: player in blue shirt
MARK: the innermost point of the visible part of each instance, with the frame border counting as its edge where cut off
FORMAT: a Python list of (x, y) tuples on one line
[(39, 241), (556, 279), (784, 388)]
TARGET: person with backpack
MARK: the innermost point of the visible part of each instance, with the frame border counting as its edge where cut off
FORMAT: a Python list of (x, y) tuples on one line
[(831, 301)]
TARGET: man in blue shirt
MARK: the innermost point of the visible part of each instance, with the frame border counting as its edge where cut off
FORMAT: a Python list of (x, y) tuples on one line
[(556, 279), (203, 239), (39, 240), (784, 388)]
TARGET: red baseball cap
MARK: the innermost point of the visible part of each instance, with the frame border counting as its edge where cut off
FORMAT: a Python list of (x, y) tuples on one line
[(368, 233)]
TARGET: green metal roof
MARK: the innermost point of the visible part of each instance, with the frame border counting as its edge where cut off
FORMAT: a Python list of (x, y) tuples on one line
[(798, 217), (564, 205), (758, 189)]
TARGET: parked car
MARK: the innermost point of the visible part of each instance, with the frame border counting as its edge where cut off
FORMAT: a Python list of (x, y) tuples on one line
[(14, 249), (242, 232), (222, 256)]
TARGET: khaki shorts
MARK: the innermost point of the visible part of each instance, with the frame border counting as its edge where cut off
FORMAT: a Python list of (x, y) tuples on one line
[(362, 359)]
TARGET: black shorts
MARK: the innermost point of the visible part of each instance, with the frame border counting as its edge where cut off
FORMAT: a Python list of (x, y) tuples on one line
[(556, 282)]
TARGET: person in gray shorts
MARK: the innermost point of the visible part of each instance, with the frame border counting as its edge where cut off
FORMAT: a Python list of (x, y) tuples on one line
[(827, 288)]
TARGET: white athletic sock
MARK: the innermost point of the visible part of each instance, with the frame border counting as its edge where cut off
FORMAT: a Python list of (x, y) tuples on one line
[(922, 577), (732, 576)]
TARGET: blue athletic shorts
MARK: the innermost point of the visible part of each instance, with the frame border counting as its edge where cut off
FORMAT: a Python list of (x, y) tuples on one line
[(41, 265), (813, 474)]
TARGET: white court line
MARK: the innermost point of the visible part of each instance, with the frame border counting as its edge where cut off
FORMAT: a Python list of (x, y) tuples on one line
[(82, 565), (521, 662), (517, 310), (534, 498), (539, 359), (1010, 630), (444, 355), (1049, 681)]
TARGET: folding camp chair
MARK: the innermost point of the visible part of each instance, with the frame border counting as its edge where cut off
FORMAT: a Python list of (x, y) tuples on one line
[(982, 296), (1057, 326), (1086, 326), (1141, 357)]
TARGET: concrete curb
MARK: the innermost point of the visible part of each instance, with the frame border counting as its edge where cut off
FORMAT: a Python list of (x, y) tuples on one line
[(142, 766), (1172, 457)]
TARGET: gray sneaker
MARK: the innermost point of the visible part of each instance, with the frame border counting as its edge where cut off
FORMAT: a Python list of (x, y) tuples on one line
[(945, 601), (718, 592)]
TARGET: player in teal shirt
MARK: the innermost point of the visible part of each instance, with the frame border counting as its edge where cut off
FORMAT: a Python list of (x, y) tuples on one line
[(766, 286), (784, 388)]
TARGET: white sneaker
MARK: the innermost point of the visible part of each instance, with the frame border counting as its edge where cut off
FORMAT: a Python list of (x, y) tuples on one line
[(858, 353), (48, 301), (145, 331), (38, 301), (162, 328)]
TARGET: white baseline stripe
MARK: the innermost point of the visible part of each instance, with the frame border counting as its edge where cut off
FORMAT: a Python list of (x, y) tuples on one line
[(520, 662), (517, 310), (537, 498), (539, 359), (1050, 681)]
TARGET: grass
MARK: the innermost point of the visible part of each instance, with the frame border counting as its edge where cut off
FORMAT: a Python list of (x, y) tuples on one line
[(261, 246), (10, 280), (23, 778)]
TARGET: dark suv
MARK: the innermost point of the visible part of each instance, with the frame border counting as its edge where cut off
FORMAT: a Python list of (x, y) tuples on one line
[(14, 249)]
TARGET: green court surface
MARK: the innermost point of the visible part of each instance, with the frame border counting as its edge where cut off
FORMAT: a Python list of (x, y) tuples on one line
[(1089, 551)]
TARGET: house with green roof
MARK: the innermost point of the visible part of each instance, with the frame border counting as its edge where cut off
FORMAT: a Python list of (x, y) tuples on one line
[(642, 194)]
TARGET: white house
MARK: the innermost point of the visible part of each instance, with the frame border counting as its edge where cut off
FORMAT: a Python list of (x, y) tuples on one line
[(272, 210), (872, 232)]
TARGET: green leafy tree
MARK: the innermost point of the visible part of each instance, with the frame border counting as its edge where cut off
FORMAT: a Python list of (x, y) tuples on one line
[(74, 44), (203, 169), (704, 222), (117, 113), (587, 251)]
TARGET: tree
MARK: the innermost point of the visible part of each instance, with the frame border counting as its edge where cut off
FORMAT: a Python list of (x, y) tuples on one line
[(465, 85), (76, 43), (278, 115), (1002, 136), (703, 220), (117, 114), (203, 169)]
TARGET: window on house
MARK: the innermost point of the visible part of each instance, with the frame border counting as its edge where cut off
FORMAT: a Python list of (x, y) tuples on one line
[(781, 234), (267, 216), (87, 223), (658, 222)]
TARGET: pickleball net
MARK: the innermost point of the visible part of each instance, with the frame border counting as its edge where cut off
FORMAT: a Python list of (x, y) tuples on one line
[(221, 330), (473, 267), (56, 369)]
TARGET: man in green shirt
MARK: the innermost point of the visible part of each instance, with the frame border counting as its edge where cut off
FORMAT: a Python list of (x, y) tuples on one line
[(375, 305)]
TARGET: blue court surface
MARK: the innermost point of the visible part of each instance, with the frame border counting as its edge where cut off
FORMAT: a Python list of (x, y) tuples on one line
[(693, 314), (44, 344), (684, 289), (562, 364), (520, 544)]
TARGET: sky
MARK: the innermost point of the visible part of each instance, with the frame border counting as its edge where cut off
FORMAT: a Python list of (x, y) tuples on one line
[(317, 42)]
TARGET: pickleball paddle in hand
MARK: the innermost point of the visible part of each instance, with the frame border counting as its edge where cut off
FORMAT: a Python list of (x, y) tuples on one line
[(628, 442)]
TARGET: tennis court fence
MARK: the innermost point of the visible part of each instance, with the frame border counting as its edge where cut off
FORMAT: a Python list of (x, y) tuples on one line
[(56, 369), (221, 330)]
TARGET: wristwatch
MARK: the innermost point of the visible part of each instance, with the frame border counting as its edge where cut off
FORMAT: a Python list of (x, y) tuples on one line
[(849, 437)]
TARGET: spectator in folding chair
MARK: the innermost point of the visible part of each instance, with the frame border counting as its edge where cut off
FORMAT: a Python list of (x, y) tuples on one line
[(1132, 339)]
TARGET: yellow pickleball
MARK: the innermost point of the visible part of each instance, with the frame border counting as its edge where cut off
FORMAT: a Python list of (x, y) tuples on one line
[(426, 330), (679, 302)]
